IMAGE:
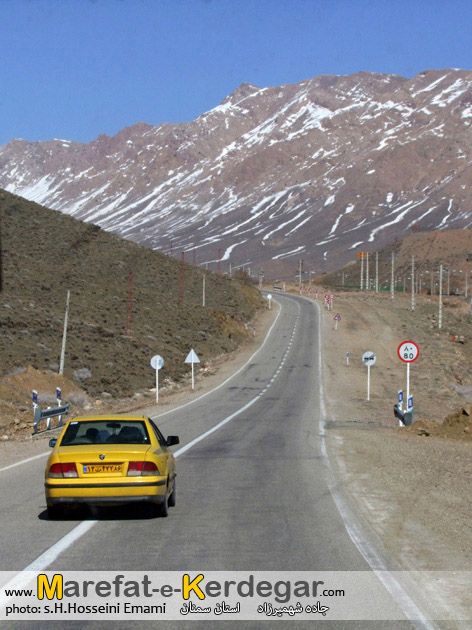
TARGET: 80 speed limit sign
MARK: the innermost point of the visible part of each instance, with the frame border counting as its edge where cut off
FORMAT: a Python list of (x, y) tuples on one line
[(408, 351)]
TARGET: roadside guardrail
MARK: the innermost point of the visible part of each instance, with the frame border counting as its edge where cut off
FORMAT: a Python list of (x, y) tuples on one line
[(50, 412)]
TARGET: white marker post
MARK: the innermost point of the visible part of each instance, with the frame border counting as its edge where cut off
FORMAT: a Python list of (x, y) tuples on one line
[(400, 399), (157, 362), (59, 403), (408, 352), (203, 294), (368, 358), (347, 358), (400, 404), (337, 318), (269, 297), (192, 358)]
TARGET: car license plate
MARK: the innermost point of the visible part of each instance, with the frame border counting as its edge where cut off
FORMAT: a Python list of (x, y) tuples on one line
[(90, 469)]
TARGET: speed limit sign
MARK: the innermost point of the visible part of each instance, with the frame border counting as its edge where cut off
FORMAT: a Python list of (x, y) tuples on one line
[(408, 351)]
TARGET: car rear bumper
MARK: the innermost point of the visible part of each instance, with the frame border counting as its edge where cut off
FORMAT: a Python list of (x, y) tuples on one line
[(152, 498), (104, 492)]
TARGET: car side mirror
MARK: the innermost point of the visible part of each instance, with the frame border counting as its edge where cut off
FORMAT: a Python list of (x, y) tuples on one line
[(52, 442), (172, 439)]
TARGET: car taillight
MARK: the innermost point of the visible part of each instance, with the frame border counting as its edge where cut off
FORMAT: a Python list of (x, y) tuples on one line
[(63, 470), (136, 469), (69, 470), (55, 471)]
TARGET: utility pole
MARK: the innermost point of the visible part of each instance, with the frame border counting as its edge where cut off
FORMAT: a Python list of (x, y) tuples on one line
[(440, 298), (1, 253), (182, 277), (203, 297), (367, 271), (448, 272), (230, 270), (466, 280), (376, 272), (129, 318), (392, 279), (412, 283), (300, 272), (362, 270), (219, 266), (64, 336), (432, 282)]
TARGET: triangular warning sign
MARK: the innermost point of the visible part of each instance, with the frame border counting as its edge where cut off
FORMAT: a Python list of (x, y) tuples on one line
[(192, 357)]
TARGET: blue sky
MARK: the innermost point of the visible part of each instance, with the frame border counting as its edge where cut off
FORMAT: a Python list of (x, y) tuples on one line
[(75, 68)]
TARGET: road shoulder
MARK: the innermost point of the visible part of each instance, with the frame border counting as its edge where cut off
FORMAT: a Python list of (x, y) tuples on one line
[(411, 491)]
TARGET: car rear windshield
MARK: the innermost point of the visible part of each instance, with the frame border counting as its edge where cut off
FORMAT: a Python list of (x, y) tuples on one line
[(105, 432)]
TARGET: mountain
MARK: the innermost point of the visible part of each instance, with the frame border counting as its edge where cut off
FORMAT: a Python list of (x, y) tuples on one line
[(45, 253), (314, 170)]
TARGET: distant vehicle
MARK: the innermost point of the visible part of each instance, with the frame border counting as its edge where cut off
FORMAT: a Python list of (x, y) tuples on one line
[(110, 460), (278, 288)]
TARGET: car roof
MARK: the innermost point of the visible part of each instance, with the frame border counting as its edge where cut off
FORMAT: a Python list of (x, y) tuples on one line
[(107, 417)]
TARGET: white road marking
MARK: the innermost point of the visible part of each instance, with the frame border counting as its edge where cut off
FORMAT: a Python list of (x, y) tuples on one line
[(45, 559), (25, 461)]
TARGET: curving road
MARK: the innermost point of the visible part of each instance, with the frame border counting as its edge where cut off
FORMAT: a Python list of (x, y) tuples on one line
[(252, 495)]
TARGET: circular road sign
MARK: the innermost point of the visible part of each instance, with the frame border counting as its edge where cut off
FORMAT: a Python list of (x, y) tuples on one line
[(369, 358), (269, 296), (408, 351), (157, 362)]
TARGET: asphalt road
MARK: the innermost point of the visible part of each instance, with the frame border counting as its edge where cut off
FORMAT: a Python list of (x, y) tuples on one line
[(252, 495)]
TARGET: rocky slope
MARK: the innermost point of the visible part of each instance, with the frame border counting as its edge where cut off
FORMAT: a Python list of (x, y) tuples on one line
[(45, 253), (313, 170)]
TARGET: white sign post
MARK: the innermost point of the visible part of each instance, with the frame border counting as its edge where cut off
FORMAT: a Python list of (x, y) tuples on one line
[(408, 352), (368, 358), (269, 297), (157, 362), (192, 358)]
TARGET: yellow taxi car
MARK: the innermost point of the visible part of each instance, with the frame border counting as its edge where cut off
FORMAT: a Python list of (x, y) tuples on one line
[(107, 460)]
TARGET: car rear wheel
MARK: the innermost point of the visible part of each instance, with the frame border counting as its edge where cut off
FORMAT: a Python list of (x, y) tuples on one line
[(55, 512), (163, 508), (172, 497)]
